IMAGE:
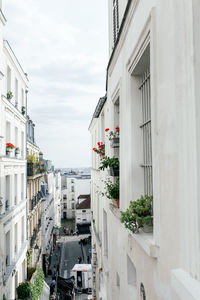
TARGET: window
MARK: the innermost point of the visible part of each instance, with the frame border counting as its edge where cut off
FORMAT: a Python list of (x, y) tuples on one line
[(8, 79), (22, 233), (8, 132), (16, 92), (115, 20), (22, 97), (16, 232), (22, 144), (146, 129), (73, 205), (72, 180), (105, 233), (22, 187), (131, 272), (16, 188), (141, 90)]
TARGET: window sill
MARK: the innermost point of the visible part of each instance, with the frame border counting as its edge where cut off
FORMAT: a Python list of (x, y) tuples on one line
[(116, 212), (146, 242), (184, 285)]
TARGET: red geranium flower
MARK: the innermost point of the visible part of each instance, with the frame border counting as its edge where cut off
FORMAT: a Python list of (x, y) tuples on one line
[(107, 129), (94, 149), (117, 128), (100, 147), (98, 143)]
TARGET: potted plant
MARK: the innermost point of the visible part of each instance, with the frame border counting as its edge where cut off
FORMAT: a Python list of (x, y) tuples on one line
[(112, 191), (139, 215), (100, 149), (112, 163), (9, 95), (113, 137), (23, 110), (9, 148), (17, 151)]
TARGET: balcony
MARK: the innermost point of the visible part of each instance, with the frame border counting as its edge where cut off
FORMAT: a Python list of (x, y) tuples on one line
[(34, 169), (35, 200)]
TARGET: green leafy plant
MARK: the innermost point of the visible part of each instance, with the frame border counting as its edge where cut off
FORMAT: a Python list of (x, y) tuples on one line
[(28, 257), (23, 110), (112, 189), (138, 214), (9, 95), (24, 290), (38, 284), (112, 162), (4, 297)]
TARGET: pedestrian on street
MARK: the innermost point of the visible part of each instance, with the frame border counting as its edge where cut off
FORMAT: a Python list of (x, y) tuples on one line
[(54, 270), (88, 259)]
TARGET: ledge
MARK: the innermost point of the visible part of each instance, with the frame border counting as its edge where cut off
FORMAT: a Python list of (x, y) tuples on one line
[(146, 242), (116, 212), (184, 285)]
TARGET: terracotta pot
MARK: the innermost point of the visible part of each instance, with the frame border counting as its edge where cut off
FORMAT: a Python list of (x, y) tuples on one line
[(115, 202), (102, 155)]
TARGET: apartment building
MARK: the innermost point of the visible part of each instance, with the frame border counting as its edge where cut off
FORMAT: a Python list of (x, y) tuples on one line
[(13, 224), (35, 173), (152, 95), (73, 185)]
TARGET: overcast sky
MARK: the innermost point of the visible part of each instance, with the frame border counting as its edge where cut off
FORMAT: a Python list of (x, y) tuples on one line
[(63, 46)]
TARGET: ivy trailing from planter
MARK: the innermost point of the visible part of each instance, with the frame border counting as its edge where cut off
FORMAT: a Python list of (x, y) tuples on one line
[(38, 284), (138, 214)]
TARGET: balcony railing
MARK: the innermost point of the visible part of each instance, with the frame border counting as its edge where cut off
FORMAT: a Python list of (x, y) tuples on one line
[(35, 200), (35, 169)]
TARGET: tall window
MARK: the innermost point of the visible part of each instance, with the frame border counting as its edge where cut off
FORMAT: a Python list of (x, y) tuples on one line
[(115, 20), (16, 92), (146, 128), (8, 79)]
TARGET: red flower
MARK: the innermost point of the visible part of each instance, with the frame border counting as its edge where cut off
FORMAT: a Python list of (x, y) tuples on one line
[(107, 129), (94, 149), (117, 128), (100, 147), (98, 143), (9, 145)]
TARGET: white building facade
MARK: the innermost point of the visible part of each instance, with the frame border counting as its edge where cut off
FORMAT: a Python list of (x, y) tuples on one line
[(13, 221), (153, 95), (72, 187)]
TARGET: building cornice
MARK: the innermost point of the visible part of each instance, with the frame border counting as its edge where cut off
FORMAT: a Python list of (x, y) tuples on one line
[(2, 17), (127, 18)]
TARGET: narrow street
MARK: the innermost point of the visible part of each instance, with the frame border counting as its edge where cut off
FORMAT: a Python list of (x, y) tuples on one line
[(71, 250)]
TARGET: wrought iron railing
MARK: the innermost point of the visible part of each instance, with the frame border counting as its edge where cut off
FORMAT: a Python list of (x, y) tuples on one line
[(35, 169)]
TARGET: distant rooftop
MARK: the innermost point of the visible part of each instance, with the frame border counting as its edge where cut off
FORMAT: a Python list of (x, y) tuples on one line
[(84, 204)]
